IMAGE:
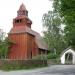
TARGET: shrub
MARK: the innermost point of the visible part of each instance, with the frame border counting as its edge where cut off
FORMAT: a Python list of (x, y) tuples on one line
[(51, 56), (40, 57)]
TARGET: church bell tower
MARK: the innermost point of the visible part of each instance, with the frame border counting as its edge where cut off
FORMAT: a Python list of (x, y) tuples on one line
[(22, 17), (27, 42)]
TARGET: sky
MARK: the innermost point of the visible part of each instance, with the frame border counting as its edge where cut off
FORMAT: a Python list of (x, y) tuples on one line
[(36, 9)]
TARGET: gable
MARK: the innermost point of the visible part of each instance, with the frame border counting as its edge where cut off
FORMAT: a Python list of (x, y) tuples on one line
[(68, 50)]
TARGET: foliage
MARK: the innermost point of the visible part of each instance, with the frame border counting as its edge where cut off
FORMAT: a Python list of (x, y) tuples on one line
[(4, 45), (66, 9), (40, 57), (54, 61), (53, 34), (51, 56), (45, 57), (2, 35), (4, 48)]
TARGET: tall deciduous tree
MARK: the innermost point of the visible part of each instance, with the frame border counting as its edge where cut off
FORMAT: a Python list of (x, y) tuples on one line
[(66, 9), (53, 34)]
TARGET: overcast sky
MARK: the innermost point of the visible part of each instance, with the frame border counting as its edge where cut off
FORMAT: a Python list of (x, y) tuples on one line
[(36, 9)]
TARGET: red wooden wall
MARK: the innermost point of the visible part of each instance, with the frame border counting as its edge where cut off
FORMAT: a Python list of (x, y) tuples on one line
[(24, 47)]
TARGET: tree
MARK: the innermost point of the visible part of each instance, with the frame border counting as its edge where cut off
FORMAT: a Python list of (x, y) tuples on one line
[(66, 9), (4, 48), (4, 45), (2, 35), (53, 34)]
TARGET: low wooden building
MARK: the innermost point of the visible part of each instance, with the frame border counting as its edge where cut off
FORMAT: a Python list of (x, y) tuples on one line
[(28, 43)]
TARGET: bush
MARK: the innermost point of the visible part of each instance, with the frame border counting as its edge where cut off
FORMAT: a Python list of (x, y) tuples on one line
[(51, 56), (45, 57), (53, 61), (40, 57)]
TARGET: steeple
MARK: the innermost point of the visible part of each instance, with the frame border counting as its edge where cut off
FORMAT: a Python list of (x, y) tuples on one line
[(22, 17), (22, 7), (22, 11)]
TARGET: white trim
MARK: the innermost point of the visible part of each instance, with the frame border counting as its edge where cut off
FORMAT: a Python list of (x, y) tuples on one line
[(69, 50)]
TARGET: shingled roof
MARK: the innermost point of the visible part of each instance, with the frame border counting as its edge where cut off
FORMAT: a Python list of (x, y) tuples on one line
[(38, 39)]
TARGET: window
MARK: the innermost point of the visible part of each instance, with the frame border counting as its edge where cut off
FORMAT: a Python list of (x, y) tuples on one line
[(18, 21)]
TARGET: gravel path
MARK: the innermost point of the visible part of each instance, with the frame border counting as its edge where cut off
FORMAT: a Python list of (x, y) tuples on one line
[(51, 70)]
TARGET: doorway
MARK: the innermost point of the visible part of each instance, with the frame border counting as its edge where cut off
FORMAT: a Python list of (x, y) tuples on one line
[(68, 58)]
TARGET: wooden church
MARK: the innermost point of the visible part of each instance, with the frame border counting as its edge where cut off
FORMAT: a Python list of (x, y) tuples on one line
[(27, 43)]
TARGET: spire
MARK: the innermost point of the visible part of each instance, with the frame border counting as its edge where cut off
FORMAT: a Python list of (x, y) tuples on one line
[(22, 17), (22, 11), (22, 7)]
